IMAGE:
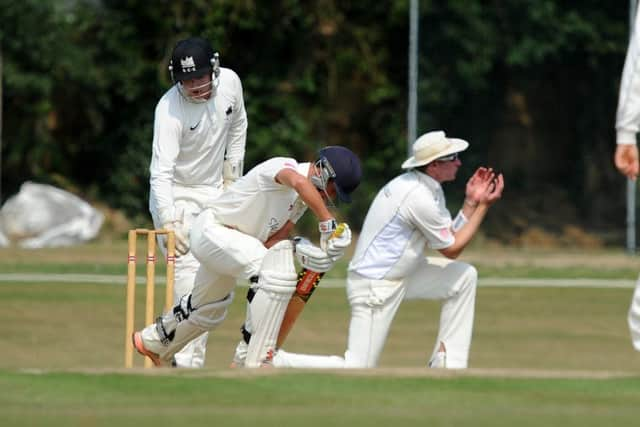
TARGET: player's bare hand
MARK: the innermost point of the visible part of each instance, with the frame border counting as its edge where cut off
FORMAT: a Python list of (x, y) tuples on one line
[(626, 160), (479, 185), (495, 190)]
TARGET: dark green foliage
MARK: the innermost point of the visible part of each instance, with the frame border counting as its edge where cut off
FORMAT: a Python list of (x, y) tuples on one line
[(532, 85)]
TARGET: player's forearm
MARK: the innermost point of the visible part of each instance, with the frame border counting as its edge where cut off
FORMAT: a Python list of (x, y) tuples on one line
[(233, 164), (165, 149), (306, 191), (237, 139), (310, 196), (237, 135), (161, 197), (464, 236), (469, 207)]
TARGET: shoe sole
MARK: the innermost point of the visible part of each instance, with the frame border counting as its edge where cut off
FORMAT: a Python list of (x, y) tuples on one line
[(136, 339)]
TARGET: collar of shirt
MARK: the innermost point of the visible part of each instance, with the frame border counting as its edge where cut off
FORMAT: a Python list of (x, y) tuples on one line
[(427, 180), (303, 169)]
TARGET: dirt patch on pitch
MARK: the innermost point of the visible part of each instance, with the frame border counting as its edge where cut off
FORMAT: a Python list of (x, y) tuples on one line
[(377, 372)]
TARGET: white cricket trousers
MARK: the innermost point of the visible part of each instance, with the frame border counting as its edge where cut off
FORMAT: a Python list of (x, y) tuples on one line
[(374, 304), (634, 317), (193, 354), (225, 254)]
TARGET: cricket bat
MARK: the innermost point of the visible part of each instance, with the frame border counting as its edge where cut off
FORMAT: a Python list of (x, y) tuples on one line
[(307, 283)]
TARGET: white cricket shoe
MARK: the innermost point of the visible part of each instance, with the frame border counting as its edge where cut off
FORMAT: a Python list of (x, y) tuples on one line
[(138, 344), (240, 355), (439, 361)]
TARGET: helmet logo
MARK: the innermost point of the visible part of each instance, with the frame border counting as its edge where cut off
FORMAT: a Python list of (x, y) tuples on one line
[(187, 64)]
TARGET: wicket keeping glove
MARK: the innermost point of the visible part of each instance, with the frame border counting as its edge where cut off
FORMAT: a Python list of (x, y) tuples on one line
[(339, 242), (312, 257), (181, 234)]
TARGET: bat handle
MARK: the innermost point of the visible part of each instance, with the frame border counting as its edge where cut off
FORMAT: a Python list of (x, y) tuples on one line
[(339, 230)]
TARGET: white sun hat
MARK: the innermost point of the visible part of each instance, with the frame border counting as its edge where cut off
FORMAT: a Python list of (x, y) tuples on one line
[(431, 146)]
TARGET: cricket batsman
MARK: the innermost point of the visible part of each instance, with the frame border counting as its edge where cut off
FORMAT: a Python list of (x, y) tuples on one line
[(243, 235)]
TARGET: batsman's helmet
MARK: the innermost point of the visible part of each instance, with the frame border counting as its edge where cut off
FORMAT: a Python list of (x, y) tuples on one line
[(340, 165), (192, 58)]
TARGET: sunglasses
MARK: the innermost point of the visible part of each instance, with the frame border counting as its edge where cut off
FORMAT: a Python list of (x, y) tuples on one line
[(449, 158)]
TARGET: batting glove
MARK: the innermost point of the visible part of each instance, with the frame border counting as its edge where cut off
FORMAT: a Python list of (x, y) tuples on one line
[(339, 242), (326, 229), (312, 257)]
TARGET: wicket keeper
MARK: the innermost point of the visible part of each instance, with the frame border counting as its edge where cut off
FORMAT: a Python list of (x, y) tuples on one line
[(199, 135)]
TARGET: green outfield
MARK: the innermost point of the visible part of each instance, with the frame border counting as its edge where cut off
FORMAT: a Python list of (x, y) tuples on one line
[(540, 356), (314, 399)]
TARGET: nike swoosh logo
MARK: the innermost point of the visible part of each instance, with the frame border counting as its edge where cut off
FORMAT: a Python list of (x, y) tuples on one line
[(194, 126)]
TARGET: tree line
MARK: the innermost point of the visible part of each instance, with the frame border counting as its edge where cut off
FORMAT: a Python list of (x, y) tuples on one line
[(531, 84)]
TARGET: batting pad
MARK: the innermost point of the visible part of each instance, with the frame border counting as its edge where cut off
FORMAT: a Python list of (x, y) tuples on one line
[(276, 283)]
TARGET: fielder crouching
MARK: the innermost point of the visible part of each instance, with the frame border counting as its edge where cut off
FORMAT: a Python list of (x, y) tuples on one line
[(408, 215), (244, 235)]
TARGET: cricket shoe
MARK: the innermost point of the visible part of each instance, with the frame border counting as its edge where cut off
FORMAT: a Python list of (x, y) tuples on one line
[(240, 355), (138, 344), (268, 361), (439, 360)]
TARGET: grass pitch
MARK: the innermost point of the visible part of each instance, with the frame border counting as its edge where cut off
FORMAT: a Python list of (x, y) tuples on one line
[(69, 326), (540, 356), (314, 399)]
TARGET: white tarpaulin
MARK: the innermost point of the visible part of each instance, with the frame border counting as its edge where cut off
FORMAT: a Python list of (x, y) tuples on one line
[(44, 216)]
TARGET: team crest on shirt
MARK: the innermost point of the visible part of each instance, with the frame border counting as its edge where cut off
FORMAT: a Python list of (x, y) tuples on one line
[(274, 225)]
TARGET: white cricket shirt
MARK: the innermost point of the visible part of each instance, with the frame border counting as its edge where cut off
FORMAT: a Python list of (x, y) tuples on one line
[(259, 206), (408, 213), (628, 113), (190, 141)]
